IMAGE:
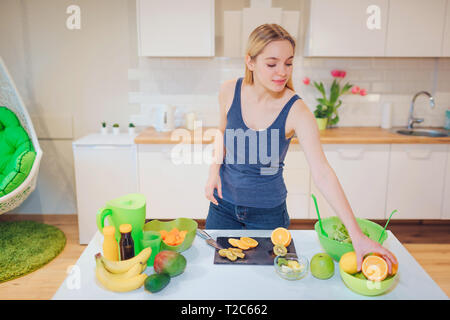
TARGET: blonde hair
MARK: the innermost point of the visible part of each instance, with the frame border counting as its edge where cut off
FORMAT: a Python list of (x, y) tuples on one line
[(259, 39)]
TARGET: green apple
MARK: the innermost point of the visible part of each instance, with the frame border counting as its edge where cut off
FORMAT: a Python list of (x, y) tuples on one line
[(322, 266)]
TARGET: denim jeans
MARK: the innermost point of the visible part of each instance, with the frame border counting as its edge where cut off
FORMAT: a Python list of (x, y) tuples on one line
[(229, 216)]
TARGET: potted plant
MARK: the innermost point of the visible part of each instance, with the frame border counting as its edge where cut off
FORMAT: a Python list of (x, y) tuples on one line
[(326, 111), (131, 128), (116, 129), (104, 129)]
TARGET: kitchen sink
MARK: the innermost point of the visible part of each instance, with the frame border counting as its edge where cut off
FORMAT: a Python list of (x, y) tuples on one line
[(433, 133)]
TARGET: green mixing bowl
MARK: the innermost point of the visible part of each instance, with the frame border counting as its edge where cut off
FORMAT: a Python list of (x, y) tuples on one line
[(181, 224), (335, 248), (367, 287)]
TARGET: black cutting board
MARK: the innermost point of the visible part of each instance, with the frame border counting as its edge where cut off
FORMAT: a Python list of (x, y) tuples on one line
[(262, 254)]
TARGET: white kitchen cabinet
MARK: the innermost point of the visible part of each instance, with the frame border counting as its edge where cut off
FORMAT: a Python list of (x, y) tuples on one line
[(347, 28), (446, 37), (173, 180), (173, 28), (415, 28), (446, 196), (297, 179), (105, 169), (416, 180), (362, 171)]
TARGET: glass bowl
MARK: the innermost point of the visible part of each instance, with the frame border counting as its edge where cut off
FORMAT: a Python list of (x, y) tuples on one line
[(291, 270)]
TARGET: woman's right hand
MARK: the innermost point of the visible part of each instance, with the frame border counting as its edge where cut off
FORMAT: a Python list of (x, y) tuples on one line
[(213, 182)]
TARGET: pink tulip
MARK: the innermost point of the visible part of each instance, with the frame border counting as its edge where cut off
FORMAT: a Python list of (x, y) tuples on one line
[(363, 92), (306, 80), (355, 90), (338, 73)]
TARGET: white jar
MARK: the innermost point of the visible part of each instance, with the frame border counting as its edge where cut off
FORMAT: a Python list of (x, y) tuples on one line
[(190, 120), (386, 115)]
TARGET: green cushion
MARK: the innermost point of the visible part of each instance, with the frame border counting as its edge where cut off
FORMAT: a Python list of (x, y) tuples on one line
[(16, 152)]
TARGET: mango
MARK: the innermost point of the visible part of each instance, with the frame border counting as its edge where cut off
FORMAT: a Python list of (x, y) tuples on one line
[(156, 282), (169, 262)]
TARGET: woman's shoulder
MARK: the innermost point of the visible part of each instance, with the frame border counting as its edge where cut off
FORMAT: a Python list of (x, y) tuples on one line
[(226, 91), (228, 85)]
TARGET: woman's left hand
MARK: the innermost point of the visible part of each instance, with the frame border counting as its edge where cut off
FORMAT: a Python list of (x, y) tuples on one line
[(363, 245)]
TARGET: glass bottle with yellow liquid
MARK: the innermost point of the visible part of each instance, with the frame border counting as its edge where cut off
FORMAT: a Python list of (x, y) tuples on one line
[(110, 245)]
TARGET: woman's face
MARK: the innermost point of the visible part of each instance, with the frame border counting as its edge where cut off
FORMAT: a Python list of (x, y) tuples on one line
[(273, 66)]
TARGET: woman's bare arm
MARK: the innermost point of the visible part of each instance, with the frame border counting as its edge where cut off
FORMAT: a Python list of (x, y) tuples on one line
[(325, 178)]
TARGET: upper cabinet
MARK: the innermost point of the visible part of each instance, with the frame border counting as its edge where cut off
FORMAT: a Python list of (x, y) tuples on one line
[(378, 28), (346, 28), (446, 43), (415, 28), (174, 28)]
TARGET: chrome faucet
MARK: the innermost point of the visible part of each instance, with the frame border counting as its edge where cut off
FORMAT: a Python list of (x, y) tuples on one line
[(411, 119)]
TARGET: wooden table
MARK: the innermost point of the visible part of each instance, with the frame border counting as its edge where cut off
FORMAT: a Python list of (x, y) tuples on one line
[(207, 281)]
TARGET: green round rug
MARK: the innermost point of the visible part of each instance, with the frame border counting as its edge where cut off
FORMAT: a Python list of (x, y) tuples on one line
[(26, 246)]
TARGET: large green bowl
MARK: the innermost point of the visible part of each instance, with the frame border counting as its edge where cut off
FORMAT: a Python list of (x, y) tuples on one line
[(335, 248), (179, 223), (367, 287)]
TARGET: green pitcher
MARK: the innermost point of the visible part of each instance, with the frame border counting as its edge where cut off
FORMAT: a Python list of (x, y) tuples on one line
[(127, 209)]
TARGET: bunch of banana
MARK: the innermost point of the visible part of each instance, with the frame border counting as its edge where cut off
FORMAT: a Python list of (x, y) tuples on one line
[(122, 276)]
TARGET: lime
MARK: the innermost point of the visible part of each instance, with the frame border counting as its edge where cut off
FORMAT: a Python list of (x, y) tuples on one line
[(279, 250)]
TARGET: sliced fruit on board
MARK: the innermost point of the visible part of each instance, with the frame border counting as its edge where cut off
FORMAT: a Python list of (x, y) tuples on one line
[(237, 243), (279, 250), (250, 242), (281, 236)]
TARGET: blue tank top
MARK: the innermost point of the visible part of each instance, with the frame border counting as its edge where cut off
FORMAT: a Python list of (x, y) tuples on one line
[(252, 170)]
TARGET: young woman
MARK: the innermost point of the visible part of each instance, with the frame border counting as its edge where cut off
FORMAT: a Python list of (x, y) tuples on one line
[(262, 111)]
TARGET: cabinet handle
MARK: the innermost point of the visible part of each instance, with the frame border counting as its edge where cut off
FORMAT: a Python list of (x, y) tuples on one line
[(419, 154), (351, 154)]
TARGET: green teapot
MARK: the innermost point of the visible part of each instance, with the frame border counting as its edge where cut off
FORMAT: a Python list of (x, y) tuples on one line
[(130, 209)]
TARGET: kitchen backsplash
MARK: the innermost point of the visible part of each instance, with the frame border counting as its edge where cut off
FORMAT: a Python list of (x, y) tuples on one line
[(192, 84)]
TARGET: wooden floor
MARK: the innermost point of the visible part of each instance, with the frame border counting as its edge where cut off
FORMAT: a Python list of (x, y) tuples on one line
[(428, 242)]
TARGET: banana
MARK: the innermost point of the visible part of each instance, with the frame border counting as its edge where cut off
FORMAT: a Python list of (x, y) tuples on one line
[(118, 285), (133, 271), (125, 265)]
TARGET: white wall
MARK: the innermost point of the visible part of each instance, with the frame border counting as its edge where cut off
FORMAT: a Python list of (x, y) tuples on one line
[(72, 80)]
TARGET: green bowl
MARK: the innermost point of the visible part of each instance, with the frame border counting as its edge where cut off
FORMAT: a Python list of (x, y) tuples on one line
[(367, 287), (335, 248), (179, 223)]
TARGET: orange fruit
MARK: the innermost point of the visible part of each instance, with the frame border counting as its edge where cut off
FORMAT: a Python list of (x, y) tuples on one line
[(238, 243), (394, 266), (374, 268), (250, 242), (281, 236)]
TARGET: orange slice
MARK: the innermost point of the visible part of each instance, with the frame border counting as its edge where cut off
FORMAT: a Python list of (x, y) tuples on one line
[(281, 236), (249, 242), (394, 266), (238, 243), (375, 268)]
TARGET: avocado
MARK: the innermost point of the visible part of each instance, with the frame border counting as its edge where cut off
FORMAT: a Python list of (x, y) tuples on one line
[(156, 282)]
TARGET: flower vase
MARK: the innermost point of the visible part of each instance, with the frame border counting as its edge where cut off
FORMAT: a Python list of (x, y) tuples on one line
[(322, 123)]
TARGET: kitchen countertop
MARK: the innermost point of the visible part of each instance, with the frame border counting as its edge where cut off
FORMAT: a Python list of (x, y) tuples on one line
[(343, 135), (204, 280)]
